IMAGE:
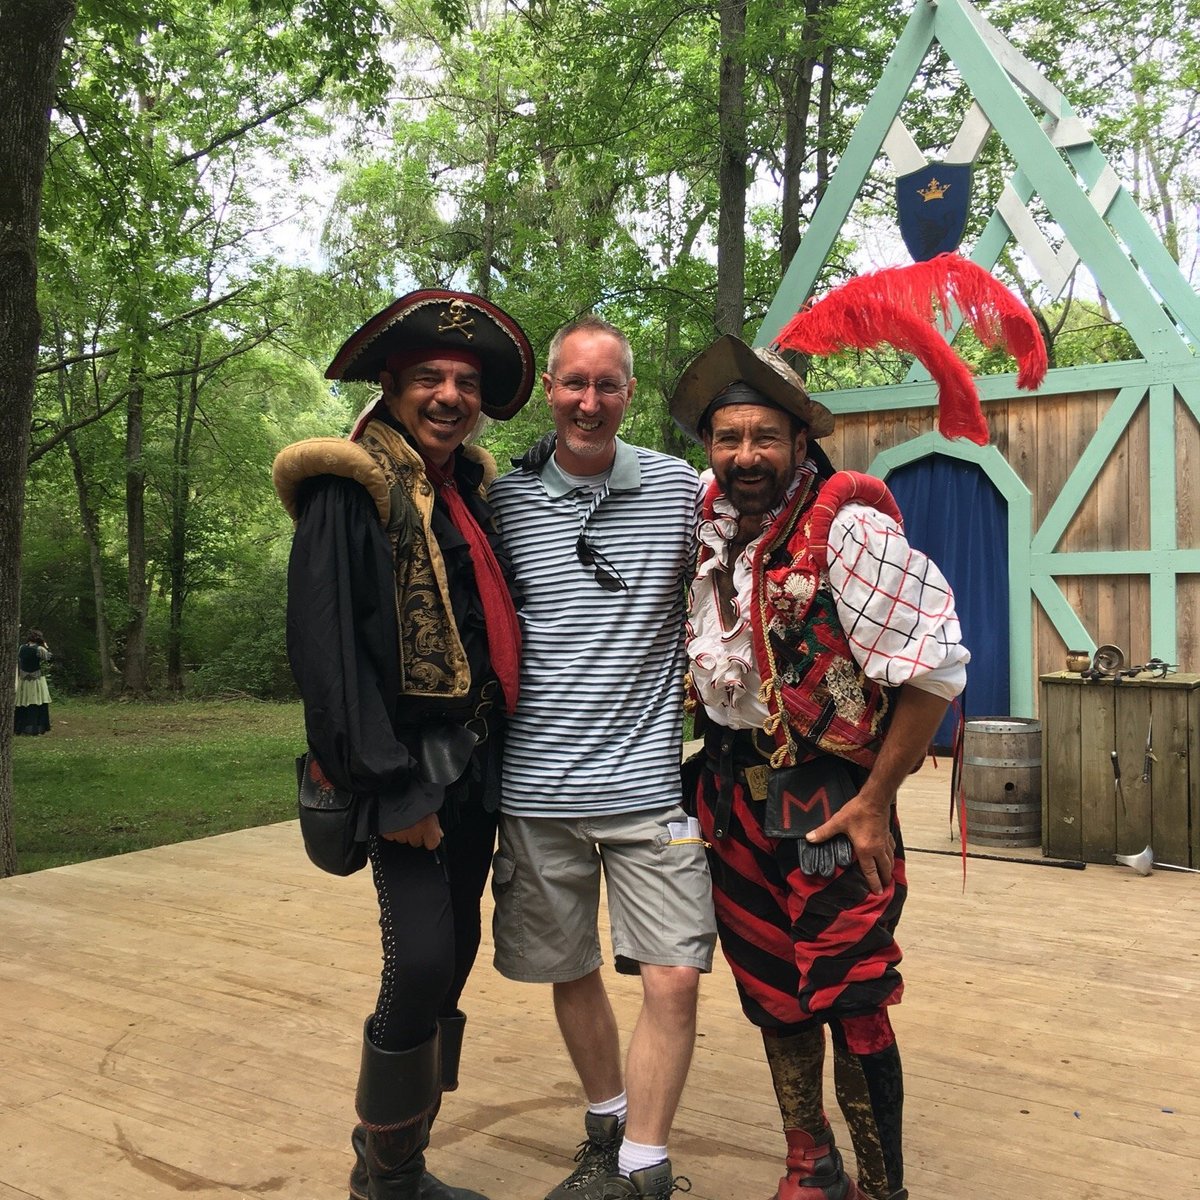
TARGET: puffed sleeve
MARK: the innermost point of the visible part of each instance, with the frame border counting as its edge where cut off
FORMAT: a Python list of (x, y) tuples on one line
[(895, 605), (343, 647)]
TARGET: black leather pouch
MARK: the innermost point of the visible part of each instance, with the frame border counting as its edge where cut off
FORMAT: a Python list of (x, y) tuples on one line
[(802, 798), (329, 818)]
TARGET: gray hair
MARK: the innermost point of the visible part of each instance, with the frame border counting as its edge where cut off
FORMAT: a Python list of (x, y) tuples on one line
[(589, 323)]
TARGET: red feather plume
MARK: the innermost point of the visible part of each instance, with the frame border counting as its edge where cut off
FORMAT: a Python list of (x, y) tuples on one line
[(899, 306)]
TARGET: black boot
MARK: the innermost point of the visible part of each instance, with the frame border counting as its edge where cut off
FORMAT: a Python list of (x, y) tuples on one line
[(870, 1092), (450, 1030), (397, 1092), (450, 1034)]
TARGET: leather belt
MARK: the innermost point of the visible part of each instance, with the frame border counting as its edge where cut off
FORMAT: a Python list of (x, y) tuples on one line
[(730, 751), (471, 711)]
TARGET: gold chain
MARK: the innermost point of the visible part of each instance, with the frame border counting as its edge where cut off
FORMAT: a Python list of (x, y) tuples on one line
[(771, 685)]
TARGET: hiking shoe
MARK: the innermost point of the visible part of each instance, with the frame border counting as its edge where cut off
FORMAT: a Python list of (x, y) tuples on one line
[(651, 1183), (597, 1159)]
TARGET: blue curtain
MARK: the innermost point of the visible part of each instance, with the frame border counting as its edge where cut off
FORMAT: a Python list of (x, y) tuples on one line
[(955, 515)]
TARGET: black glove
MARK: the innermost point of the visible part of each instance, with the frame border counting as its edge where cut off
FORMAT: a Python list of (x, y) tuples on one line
[(823, 858)]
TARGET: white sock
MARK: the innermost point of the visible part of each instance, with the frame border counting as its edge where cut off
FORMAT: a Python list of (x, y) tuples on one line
[(616, 1107), (636, 1157)]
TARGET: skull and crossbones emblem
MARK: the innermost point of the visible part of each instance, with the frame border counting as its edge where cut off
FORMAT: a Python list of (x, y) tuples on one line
[(456, 318)]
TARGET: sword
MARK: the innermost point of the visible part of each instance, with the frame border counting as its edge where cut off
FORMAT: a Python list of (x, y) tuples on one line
[(1149, 751)]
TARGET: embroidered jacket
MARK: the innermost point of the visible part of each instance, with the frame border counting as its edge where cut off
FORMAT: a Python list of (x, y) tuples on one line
[(433, 661)]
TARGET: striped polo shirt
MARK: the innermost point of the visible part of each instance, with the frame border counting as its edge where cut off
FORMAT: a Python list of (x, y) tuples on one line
[(598, 726)]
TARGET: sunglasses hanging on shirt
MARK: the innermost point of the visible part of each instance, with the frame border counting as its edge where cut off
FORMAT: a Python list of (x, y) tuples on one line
[(606, 575)]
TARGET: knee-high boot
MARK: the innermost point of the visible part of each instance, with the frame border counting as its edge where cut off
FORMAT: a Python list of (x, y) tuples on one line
[(397, 1091), (814, 1166), (450, 1039), (450, 1030), (870, 1093)]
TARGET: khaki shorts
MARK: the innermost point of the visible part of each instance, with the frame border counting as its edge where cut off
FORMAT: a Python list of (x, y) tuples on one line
[(546, 883)]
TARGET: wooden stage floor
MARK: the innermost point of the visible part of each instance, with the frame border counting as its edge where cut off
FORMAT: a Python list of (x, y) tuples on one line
[(185, 1021)]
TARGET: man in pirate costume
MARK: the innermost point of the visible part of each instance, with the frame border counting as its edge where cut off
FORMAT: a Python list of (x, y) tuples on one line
[(403, 638), (823, 652)]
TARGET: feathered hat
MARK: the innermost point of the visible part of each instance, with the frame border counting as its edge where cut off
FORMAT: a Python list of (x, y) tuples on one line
[(728, 361), (902, 307)]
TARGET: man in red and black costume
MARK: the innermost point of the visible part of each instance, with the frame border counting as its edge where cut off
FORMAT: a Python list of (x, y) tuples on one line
[(403, 638), (823, 652)]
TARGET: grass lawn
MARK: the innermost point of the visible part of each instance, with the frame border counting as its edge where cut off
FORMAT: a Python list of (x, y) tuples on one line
[(113, 777)]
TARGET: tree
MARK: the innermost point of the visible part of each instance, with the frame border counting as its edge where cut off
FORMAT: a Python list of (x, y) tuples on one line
[(31, 40), (310, 46), (159, 123), (730, 307)]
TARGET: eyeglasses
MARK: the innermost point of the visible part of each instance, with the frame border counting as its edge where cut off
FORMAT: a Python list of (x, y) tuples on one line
[(607, 576), (576, 385)]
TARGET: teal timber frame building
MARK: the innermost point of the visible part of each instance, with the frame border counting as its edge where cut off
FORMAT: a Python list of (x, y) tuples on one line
[(1100, 468)]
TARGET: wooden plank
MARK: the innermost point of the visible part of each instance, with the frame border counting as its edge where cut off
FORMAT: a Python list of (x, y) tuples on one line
[(186, 1020), (1054, 460), (1194, 777), (1132, 714), (1169, 809), (1137, 618), (919, 421), (1046, 473), (1187, 618), (1019, 446), (1048, 647), (1098, 798), (855, 443), (1187, 481), (995, 413), (1136, 515), (1083, 531), (1061, 802)]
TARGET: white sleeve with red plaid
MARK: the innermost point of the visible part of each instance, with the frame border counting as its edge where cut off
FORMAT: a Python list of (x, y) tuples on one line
[(895, 605)]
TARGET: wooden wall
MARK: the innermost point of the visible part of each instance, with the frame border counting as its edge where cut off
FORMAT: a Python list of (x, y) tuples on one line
[(1043, 438)]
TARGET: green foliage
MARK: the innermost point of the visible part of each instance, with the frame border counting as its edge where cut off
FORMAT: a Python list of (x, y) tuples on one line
[(236, 634), (160, 305), (111, 778), (1085, 333), (559, 158), (57, 597)]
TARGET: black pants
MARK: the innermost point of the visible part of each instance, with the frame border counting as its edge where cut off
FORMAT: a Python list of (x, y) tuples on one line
[(430, 926)]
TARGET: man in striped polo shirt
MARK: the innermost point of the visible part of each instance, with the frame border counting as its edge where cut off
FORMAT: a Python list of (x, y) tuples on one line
[(601, 539)]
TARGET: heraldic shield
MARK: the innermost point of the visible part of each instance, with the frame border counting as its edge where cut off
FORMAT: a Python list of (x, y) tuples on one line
[(931, 207)]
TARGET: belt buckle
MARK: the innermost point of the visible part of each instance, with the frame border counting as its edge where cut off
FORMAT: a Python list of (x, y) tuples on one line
[(757, 777), (477, 721)]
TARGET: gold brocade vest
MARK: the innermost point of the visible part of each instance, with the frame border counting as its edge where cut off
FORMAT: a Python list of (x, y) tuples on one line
[(433, 662)]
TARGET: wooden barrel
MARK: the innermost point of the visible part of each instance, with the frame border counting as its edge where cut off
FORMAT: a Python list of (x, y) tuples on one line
[(1002, 781)]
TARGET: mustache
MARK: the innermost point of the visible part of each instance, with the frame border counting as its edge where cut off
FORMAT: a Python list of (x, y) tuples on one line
[(741, 474)]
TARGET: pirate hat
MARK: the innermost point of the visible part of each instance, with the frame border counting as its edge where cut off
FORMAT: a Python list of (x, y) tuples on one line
[(728, 361), (456, 322)]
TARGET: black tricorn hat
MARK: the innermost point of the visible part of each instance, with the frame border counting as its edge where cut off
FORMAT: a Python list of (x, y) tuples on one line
[(434, 320), (728, 361)]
